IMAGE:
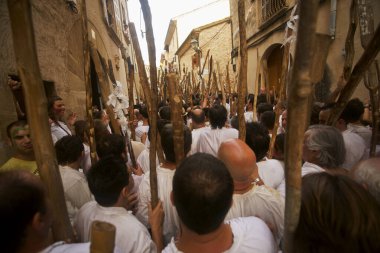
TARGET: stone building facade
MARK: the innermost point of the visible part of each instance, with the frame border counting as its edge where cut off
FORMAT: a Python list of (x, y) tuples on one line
[(58, 36), (266, 22)]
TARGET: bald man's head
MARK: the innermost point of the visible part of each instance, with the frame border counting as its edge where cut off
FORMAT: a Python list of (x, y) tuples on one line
[(198, 118), (239, 159)]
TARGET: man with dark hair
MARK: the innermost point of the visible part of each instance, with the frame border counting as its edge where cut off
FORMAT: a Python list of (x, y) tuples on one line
[(202, 195), (354, 115), (144, 128), (164, 112), (210, 140), (263, 107), (112, 144), (70, 152), (198, 123), (18, 134), (110, 183), (165, 173), (270, 170), (267, 119), (27, 216)]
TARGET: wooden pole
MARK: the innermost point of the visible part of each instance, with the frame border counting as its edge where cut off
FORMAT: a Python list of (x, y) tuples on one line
[(242, 87), (87, 82), (27, 63), (256, 85), (102, 237), (131, 80), (222, 87), (300, 90), (176, 118), (361, 66), (153, 109), (105, 88)]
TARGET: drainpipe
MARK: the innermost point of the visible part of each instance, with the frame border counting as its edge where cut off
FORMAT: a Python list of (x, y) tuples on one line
[(332, 25)]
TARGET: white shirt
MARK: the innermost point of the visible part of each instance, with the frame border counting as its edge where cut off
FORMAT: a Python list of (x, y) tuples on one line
[(62, 247), (140, 130), (263, 202), (210, 140), (362, 131), (86, 162), (355, 149), (59, 131), (75, 189), (195, 138), (131, 235), (249, 117), (308, 168), (250, 234), (271, 172), (164, 187), (144, 162)]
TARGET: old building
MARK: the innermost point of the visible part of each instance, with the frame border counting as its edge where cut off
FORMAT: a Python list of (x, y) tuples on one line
[(58, 35), (266, 22)]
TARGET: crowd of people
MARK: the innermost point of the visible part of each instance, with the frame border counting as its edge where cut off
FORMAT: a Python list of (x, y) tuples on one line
[(227, 195)]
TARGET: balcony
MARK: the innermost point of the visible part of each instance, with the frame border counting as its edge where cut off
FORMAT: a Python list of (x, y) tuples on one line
[(270, 10)]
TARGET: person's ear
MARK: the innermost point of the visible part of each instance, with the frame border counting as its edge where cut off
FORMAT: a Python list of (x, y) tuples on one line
[(9, 142), (125, 192), (39, 222)]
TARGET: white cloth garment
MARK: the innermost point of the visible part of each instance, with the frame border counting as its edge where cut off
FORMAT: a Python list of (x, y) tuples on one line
[(86, 161), (131, 235), (143, 160), (75, 188), (250, 234), (59, 130), (164, 187), (249, 117), (140, 130), (263, 202), (62, 247), (308, 168), (362, 131), (271, 172), (210, 140), (355, 149), (195, 138)]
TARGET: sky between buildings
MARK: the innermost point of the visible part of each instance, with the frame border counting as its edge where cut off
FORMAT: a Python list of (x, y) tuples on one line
[(164, 10)]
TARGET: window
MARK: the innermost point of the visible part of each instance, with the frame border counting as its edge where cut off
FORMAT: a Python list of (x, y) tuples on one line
[(271, 8)]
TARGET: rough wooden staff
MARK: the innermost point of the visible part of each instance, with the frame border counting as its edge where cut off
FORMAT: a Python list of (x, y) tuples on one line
[(208, 89), (371, 78), (284, 77), (256, 85), (131, 80), (102, 237), (105, 88), (87, 82), (221, 85), (153, 109), (361, 66), (176, 118), (350, 53), (300, 90), (242, 87), (36, 103)]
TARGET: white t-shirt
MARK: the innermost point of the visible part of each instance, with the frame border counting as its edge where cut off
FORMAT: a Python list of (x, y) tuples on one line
[(75, 189), (308, 168), (211, 139), (362, 131), (195, 138), (143, 160), (140, 130), (62, 247), (251, 235), (355, 149), (164, 187), (131, 235), (59, 131), (263, 202)]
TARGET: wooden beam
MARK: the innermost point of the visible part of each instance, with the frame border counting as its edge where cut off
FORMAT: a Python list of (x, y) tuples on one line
[(242, 86), (36, 103), (300, 90)]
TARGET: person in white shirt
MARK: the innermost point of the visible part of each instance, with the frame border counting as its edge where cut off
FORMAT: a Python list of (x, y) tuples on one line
[(198, 125), (144, 128), (251, 197), (56, 111), (110, 183), (165, 173), (210, 140), (69, 151), (271, 171), (323, 149), (202, 194)]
